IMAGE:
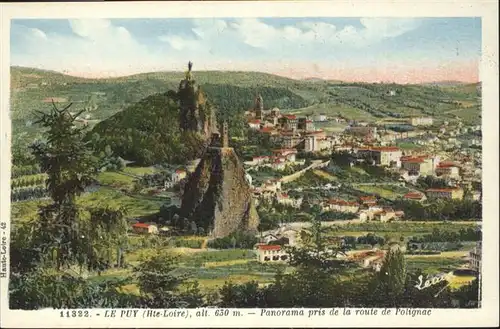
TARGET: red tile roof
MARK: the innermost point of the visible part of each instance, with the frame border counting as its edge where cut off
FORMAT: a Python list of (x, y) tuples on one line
[(446, 164), (413, 159), (285, 151), (254, 121), (413, 195), (386, 148), (269, 247), (267, 130), (342, 203), (290, 117), (141, 225)]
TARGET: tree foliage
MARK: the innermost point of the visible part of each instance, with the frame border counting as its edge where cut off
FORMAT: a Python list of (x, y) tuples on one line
[(160, 285)]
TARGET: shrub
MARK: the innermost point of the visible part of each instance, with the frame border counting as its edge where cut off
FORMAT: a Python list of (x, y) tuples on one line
[(181, 242), (240, 240)]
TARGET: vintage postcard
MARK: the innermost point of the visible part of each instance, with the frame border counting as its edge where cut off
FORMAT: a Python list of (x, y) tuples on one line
[(244, 164)]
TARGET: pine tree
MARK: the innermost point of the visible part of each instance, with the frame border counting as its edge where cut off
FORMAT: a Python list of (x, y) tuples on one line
[(68, 161), (160, 284), (389, 283)]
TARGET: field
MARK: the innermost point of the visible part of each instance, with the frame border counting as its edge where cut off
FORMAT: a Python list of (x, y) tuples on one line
[(110, 194), (212, 268), (347, 111), (385, 191)]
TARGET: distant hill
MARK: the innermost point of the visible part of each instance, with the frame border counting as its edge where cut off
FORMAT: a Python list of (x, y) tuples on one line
[(446, 83), (233, 93)]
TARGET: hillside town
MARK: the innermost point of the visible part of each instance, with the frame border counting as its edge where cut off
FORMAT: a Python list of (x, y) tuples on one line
[(442, 152)]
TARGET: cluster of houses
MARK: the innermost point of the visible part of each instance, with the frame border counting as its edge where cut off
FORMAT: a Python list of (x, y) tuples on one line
[(299, 133), (289, 130), (278, 160), (176, 177), (272, 248)]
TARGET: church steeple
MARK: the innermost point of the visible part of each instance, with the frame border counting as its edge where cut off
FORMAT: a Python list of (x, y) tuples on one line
[(259, 107)]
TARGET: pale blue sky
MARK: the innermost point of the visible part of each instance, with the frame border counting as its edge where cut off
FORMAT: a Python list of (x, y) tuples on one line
[(123, 46)]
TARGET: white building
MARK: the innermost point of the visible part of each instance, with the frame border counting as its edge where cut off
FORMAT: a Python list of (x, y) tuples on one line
[(421, 121), (285, 199), (315, 141), (254, 124), (449, 169), (320, 117), (271, 254), (248, 178), (141, 228), (384, 156), (288, 154), (178, 175), (342, 206), (475, 258)]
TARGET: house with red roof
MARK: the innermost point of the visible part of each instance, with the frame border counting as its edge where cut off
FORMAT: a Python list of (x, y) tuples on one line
[(289, 121), (368, 199), (178, 175), (143, 228), (424, 165), (268, 131), (414, 196), (445, 193), (254, 124), (341, 206), (271, 254), (261, 159), (316, 141), (382, 155), (285, 199), (305, 124), (385, 215), (289, 154), (448, 168)]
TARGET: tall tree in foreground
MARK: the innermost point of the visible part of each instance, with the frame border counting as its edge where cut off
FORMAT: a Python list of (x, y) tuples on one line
[(161, 286), (317, 269), (69, 163), (389, 283), (64, 234)]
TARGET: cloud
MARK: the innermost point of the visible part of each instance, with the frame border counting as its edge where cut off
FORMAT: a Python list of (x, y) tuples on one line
[(100, 47), (94, 45), (373, 30), (37, 33), (306, 38)]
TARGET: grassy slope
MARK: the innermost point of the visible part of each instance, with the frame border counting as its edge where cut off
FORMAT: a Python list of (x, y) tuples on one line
[(323, 96)]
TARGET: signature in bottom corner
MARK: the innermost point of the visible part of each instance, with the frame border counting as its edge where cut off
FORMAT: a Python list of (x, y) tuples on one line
[(433, 280)]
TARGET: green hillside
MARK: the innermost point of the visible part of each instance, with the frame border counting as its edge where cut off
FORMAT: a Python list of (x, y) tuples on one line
[(233, 93), (148, 133)]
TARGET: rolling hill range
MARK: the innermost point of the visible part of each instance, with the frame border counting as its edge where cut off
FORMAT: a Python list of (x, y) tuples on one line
[(233, 93)]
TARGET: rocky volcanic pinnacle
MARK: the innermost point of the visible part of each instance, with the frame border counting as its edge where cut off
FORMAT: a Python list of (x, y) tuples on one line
[(217, 195)]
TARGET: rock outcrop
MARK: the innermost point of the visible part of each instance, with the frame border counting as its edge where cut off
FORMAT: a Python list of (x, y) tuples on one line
[(217, 196), (196, 113)]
